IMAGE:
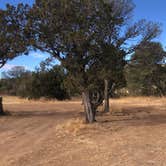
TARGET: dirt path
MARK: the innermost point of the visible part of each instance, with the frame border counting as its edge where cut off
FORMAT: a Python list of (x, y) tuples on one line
[(52, 134)]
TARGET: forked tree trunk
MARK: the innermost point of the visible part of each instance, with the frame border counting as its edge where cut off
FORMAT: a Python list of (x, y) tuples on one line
[(106, 96), (1, 107), (88, 108)]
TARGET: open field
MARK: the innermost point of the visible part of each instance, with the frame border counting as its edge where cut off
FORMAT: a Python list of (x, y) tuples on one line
[(52, 133)]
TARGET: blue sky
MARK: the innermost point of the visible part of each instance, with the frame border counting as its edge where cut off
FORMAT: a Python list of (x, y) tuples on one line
[(153, 10)]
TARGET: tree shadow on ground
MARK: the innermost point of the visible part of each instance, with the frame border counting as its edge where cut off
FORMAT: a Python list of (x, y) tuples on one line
[(29, 114), (127, 116), (136, 116)]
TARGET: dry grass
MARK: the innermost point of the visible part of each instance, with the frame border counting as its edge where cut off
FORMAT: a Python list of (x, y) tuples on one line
[(53, 133), (73, 126)]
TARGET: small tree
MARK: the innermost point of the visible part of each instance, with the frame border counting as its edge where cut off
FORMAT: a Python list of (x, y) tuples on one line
[(145, 71)]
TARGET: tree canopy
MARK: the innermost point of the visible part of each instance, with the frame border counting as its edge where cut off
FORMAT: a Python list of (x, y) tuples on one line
[(145, 72), (13, 39)]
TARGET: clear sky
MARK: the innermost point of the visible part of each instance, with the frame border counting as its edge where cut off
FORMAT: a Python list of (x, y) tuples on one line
[(154, 10)]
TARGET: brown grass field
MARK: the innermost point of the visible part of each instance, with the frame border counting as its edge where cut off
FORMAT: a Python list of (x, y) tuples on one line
[(52, 133)]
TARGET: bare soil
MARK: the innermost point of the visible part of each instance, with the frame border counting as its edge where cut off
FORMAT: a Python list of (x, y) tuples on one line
[(52, 133)]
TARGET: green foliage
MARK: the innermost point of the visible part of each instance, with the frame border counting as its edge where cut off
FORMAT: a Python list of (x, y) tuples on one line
[(13, 39), (75, 33), (41, 83), (112, 65), (14, 80), (49, 84), (145, 73)]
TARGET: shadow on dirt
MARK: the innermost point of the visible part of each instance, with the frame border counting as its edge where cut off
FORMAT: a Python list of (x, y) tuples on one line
[(136, 116), (29, 114), (127, 116)]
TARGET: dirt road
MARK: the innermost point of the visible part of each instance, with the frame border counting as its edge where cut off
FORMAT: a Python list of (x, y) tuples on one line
[(53, 134)]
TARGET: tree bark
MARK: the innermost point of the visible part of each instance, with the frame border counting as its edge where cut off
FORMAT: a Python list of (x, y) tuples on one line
[(88, 108), (106, 96), (1, 107), (160, 91)]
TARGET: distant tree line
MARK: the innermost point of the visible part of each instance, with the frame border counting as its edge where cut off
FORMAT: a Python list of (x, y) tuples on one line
[(144, 74), (43, 82)]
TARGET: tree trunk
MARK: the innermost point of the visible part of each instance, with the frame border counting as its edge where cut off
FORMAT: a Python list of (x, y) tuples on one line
[(106, 96), (160, 91), (88, 108), (1, 107)]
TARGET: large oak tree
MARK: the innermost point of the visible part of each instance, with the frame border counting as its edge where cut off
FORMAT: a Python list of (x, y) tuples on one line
[(74, 32)]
